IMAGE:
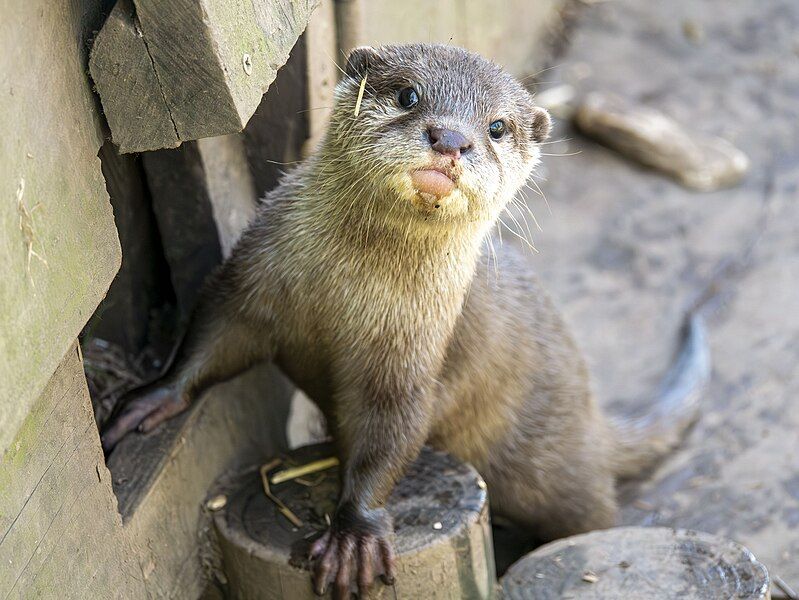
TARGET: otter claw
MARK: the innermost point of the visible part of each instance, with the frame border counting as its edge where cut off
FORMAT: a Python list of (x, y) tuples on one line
[(347, 558)]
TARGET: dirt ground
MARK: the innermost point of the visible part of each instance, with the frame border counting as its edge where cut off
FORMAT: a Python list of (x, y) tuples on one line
[(623, 250)]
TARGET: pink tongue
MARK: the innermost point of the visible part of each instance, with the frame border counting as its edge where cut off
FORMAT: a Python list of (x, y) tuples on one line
[(432, 182)]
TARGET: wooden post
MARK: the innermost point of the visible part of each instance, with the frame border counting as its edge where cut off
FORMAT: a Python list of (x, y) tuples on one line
[(440, 511), (322, 72), (181, 202), (350, 26), (638, 562)]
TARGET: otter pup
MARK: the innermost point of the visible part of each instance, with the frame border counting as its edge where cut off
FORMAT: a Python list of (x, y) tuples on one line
[(357, 277)]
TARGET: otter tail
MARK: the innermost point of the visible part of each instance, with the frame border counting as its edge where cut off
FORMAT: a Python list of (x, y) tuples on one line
[(641, 441)]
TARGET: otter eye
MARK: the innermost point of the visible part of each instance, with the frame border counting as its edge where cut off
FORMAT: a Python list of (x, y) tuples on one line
[(408, 97), (497, 129)]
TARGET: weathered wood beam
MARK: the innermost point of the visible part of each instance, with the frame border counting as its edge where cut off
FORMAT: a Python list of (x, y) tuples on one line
[(350, 26), (60, 533), (125, 77), (160, 479), (170, 71), (182, 203), (59, 249)]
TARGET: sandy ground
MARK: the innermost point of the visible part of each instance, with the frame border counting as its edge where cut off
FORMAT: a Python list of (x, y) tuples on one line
[(624, 249)]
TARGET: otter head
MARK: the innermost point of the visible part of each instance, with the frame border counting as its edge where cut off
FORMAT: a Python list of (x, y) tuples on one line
[(447, 135)]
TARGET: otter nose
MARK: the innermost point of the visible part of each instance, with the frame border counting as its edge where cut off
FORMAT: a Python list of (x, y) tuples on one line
[(448, 142)]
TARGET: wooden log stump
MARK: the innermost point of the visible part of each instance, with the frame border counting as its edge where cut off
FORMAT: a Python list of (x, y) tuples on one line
[(440, 512), (654, 563)]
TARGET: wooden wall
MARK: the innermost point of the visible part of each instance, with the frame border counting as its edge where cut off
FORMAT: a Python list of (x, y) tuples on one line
[(61, 529)]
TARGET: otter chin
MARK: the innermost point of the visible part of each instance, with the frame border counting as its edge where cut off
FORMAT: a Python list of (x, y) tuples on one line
[(432, 182)]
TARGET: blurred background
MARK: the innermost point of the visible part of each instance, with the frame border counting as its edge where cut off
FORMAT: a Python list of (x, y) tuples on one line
[(671, 176)]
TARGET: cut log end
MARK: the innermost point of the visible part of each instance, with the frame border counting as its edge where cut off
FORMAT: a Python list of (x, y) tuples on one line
[(440, 511), (638, 562)]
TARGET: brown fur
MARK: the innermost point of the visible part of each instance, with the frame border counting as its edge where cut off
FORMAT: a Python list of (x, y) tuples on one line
[(371, 304)]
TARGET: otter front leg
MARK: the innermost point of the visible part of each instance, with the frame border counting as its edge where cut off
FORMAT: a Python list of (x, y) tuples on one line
[(381, 429), (220, 343)]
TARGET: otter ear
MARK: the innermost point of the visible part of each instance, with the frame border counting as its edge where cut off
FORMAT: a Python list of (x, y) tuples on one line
[(541, 125), (359, 61)]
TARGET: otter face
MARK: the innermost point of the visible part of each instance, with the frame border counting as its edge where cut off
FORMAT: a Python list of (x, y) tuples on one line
[(449, 135)]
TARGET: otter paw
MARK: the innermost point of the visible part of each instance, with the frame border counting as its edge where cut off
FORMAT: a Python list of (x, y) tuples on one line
[(355, 550), (144, 411)]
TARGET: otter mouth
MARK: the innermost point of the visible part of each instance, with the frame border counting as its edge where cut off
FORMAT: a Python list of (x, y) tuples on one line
[(436, 181)]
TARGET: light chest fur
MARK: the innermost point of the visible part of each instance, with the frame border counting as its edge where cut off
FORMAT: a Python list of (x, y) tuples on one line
[(356, 292)]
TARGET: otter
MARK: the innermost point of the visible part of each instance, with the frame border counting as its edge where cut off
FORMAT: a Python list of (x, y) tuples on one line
[(357, 278)]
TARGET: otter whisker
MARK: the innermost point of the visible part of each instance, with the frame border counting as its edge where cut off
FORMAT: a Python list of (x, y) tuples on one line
[(493, 251), (558, 141), (536, 74), (540, 193), (526, 205), (282, 164), (514, 204), (307, 110), (518, 235), (331, 59), (575, 153)]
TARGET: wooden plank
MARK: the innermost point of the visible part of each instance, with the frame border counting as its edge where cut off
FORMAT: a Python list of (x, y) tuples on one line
[(56, 204), (474, 24), (351, 25), (51, 427), (182, 203), (211, 61), (190, 74), (69, 527), (58, 521), (126, 80), (230, 185), (204, 187)]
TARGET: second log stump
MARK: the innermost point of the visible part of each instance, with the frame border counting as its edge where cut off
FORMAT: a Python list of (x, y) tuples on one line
[(646, 563), (440, 511)]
